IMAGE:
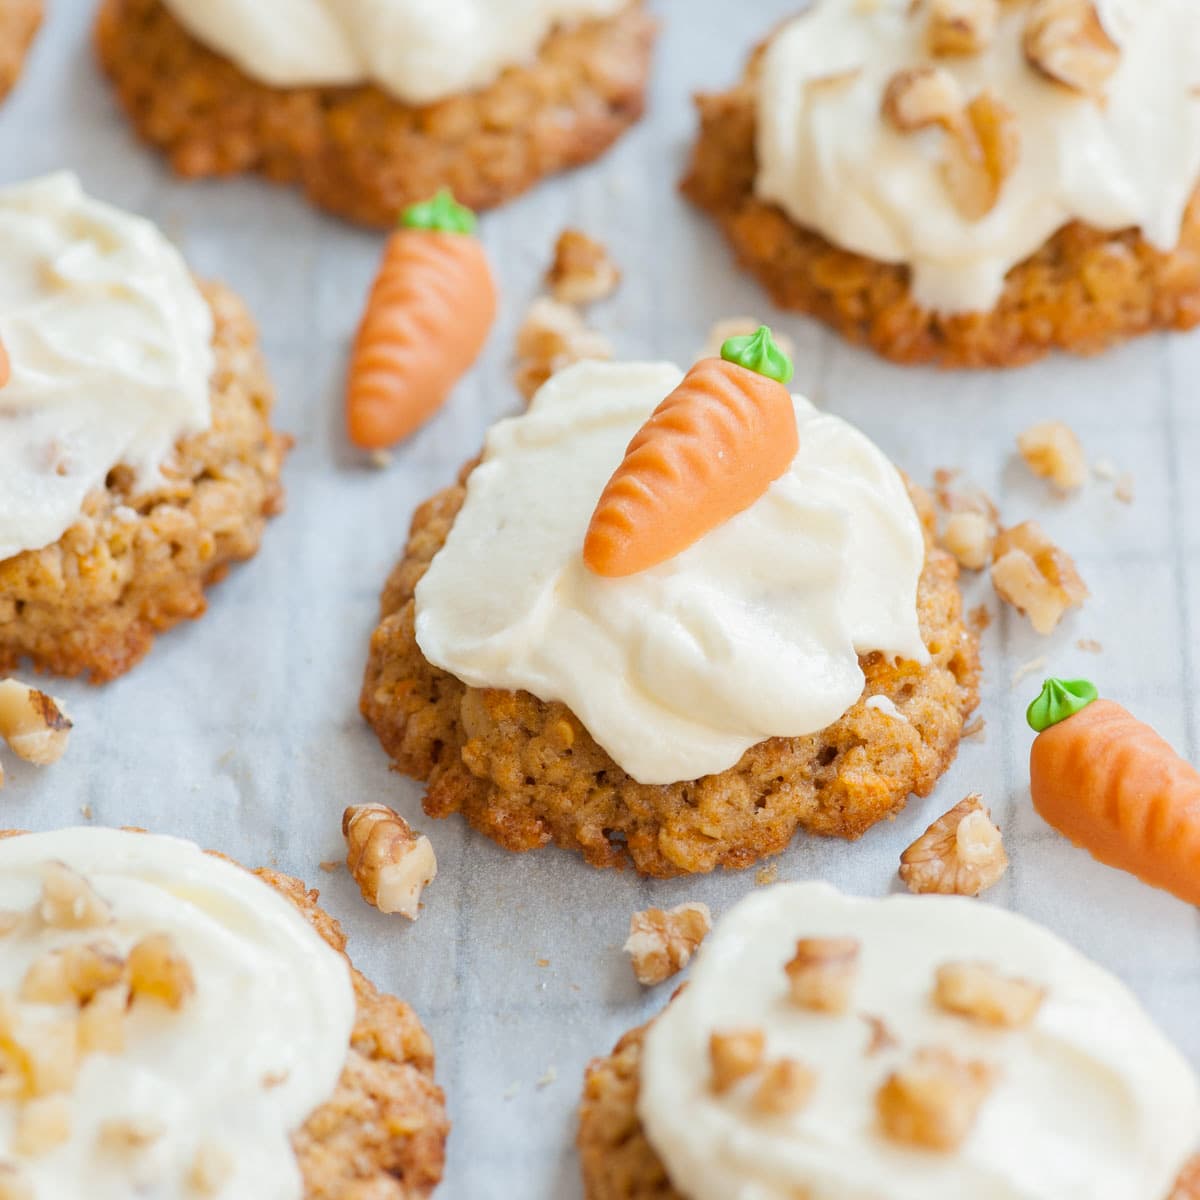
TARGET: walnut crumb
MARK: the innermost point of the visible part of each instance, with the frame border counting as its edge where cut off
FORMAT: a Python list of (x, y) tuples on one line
[(881, 1036), (822, 973), (35, 725), (1090, 646), (391, 864), (1124, 488), (765, 876), (72, 975), (159, 971), (734, 1055), (785, 1088), (211, 1169), (970, 537), (1052, 451), (1066, 41), (582, 271), (983, 153), (1036, 577), (49, 1056), (42, 1125), (101, 1028), (961, 27), (662, 943), (129, 1136), (980, 992), (923, 97), (553, 336), (933, 1100), (960, 854), (14, 1185), (69, 901)]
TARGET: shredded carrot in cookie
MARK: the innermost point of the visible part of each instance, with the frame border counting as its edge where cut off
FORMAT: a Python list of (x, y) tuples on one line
[(1114, 787), (427, 318), (707, 453)]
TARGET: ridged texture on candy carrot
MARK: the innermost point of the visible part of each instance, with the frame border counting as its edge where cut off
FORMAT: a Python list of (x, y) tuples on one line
[(1114, 787), (708, 452), (426, 320)]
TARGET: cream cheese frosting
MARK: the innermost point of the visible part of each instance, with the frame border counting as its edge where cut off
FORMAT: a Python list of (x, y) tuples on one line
[(1091, 1103), (233, 1073), (828, 159), (418, 50), (752, 632), (109, 341)]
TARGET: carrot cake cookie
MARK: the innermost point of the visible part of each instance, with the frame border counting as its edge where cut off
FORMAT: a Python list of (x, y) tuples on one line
[(176, 1026), (19, 22), (802, 663), (967, 182), (137, 461), (830, 1047), (372, 106)]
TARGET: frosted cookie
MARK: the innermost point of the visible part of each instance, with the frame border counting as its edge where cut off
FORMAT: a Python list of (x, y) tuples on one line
[(19, 22), (176, 1026), (828, 1047), (800, 664), (967, 182), (371, 107), (137, 461)]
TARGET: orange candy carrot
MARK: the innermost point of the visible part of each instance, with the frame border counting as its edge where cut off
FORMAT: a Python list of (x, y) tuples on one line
[(427, 318), (1114, 787), (708, 452)]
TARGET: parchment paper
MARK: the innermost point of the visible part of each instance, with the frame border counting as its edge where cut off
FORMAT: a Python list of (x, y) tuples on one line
[(242, 730)]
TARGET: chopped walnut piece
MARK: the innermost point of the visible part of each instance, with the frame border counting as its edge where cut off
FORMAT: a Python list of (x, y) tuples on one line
[(101, 1028), (13, 1184), (1066, 41), (42, 1125), (662, 943), (69, 901), (33, 724), (734, 1055), (933, 1100), (10, 922), (582, 272), (129, 1136), (159, 971), (74, 973), (960, 854), (922, 97), (822, 973), (983, 153), (882, 1038), (391, 864), (552, 337), (1052, 451), (211, 1169), (979, 991), (962, 27), (731, 327), (1124, 490), (969, 536), (785, 1088), (1033, 575), (49, 1056)]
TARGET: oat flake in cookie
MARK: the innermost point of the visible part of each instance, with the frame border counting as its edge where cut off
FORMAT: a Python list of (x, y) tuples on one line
[(372, 105), (971, 184), (137, 461), (176, 1027), (691, 715), (974, 1054)]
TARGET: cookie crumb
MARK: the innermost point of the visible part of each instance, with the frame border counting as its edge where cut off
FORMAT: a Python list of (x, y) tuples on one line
[(933, 1101), (1052, 451), (765, 876), (661, 944), (331, 866), (391, 864), (1090, 646), (1124, 489), (549, 1076), (85, 811), (822, 973), (582, 272), (975, 729), (1026, 669), (961, 854), (980, 618)]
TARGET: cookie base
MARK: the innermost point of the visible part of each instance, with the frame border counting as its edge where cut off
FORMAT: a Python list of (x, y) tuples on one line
[(359, 152), (1082, 292), (19, 22), (137, 563), (525, 773)]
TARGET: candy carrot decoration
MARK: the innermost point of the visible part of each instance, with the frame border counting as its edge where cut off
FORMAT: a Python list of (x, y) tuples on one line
[(427, 318), (1114, 787), (708, 452)]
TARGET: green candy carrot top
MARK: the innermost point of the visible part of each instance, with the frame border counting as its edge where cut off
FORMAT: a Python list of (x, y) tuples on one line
[(758, 352), (1059, 699), (442, 214)]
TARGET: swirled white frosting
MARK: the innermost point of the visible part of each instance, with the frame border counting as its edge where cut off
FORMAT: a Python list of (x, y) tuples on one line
[(418, 50), (109, 341), (238, 1069), (830, 161), (752, 632), (1092, 1102)]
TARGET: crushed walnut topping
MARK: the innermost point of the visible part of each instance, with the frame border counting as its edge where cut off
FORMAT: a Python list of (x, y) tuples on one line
[(662, 943), (75, 973), (983, 152), (969, 536), (785, 1088), (1066, 41), (553, 336), (42, 1125), (961, 27), (1033, 575), (129, 1136), (822, 973), (13, 1184), (35, 725), (1052, 451), (49, 1056), (158, 971), (882, 1038), (211, 1170), (933, 1100), (960, 854), (391, 864), (582, 271), (101, 1026), (923, 97), (69, 901), (978, 991), (734, 1055)]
